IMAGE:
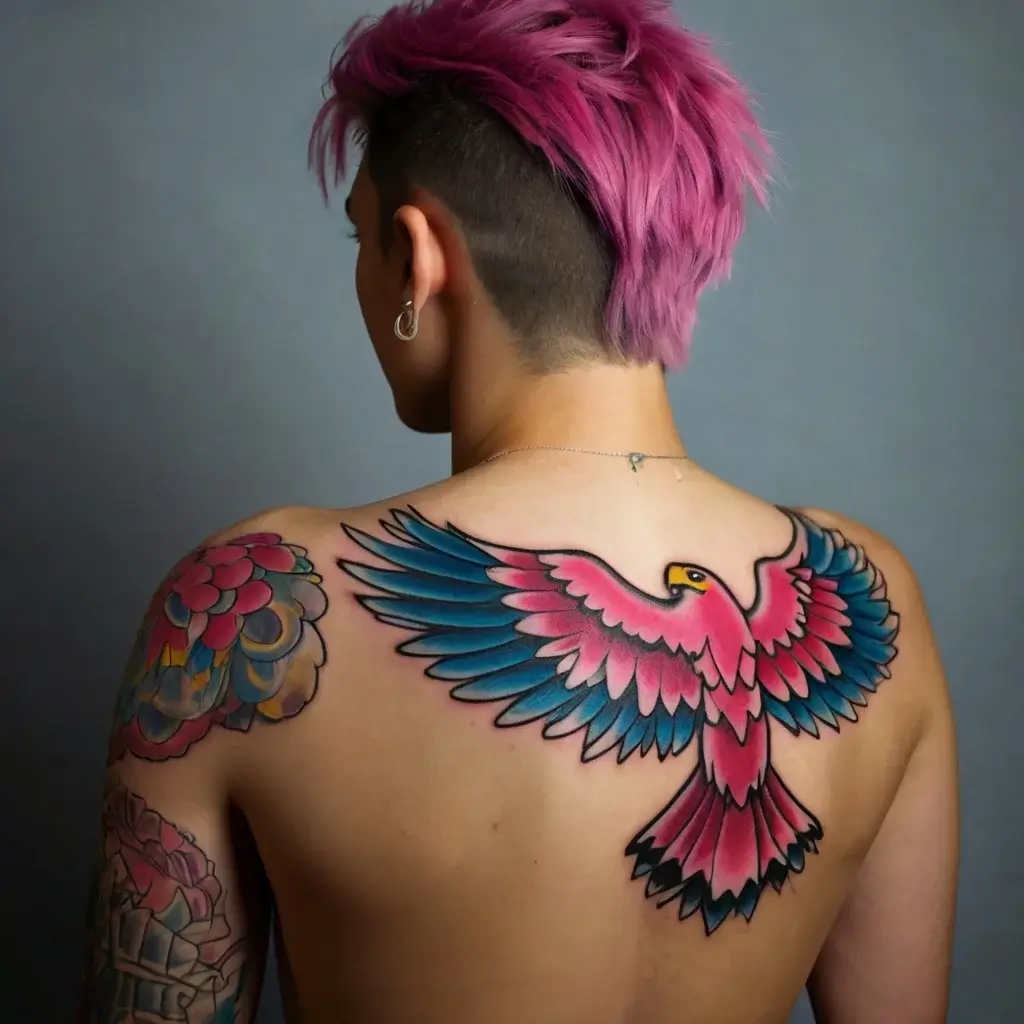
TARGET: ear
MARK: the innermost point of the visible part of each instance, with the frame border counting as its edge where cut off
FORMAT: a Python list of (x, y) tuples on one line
[(426, 269)]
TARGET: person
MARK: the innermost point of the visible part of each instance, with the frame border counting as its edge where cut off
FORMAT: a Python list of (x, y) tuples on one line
[(582, 732)]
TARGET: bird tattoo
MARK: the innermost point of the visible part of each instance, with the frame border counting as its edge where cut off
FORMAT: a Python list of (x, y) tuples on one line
[(560, 639)]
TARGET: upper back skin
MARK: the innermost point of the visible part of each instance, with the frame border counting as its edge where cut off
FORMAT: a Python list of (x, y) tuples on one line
[(428, 866)]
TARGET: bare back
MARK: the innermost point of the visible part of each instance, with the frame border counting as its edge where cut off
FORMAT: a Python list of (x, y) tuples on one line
[(430, 866)]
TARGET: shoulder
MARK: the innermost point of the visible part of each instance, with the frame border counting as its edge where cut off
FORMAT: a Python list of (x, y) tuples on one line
[(298, 525)]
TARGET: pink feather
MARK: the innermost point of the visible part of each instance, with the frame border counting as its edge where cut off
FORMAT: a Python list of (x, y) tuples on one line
[(648, 682), (678, 682)]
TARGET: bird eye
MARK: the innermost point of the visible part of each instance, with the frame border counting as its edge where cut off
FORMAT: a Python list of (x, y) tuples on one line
[(694, 576)]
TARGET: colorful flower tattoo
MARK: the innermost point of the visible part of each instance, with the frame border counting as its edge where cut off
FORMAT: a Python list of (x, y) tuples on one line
[(560, 639), (160, 948), (230, 636)]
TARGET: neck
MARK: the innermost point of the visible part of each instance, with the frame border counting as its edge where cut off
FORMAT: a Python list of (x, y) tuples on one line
[(599, 407)]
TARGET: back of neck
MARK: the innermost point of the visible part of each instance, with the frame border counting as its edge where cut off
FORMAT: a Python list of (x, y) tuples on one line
[(597, 406)]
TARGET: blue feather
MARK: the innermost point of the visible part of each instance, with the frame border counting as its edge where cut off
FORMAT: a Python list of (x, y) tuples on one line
[(872, 629), (391, 620), (780, 712), (814, 702), (433, 613), (874, 600), (410, 584), (816, 562), (872, 650), (479, 663), (843, 562), (419, 559), (864, 606), (803, 716), (540, 702), (857, 670), (633, 738), (601, 724), (568, 720), (683, 731), (838, 703), (663, 728), (851, 691), (649, 733), (442, 540), (822, 551), (509, 682), (628, 712), (462, 642), (855, 583), (859, 606)]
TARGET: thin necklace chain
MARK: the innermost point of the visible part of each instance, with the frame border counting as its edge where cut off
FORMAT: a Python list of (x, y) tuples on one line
[(635, 459)]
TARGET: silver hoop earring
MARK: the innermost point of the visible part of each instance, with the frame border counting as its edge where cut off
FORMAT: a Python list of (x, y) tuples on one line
[(407, 323)]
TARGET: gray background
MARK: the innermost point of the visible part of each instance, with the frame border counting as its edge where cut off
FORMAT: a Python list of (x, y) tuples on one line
[(181, 346)]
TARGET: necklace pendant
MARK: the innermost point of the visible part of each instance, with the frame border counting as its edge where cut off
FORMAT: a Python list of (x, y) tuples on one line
[(635, 458)]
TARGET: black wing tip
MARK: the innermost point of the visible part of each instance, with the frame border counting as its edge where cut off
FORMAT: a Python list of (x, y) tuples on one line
[(399, 516), (793, 729), (412, 512), (694, 893), (647, 857), (345, 565), (352, 568), (833, 725), (360, 537), (353, 532)]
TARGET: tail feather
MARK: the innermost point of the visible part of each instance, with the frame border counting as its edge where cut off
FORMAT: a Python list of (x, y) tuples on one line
[(714, 855), (736, 857), (691, 827)]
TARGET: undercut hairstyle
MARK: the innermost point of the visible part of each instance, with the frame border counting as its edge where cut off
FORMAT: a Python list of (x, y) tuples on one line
[(596, 156)]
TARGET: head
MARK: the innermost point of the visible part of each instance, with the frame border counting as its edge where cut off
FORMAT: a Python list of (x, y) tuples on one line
[(574, 169), (687, 579)]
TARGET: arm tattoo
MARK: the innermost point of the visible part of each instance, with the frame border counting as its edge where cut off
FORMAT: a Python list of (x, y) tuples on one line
[(230, 636), (560, 639), (160, 946)]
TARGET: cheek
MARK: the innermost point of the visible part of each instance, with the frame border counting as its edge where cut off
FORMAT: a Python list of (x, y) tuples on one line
[(364, 289), (377, 308), (379, 301)]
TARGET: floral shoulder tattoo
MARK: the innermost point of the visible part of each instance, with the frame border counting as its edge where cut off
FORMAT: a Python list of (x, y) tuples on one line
[(230, 637)]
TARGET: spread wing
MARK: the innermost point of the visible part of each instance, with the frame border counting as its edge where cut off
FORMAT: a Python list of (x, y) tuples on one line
[(557, 637), (823, 627)]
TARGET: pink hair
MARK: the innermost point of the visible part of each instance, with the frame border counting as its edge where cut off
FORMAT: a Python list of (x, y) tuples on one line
[(633, 110)]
